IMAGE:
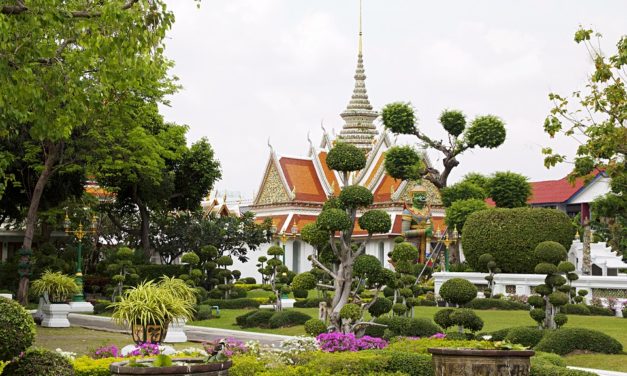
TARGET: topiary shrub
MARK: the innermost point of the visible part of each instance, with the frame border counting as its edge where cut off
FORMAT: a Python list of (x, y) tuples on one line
[(351, 312), (497, 335), (232, 303), (575, 309), (314, 327), (300, 294), (566, 340), (258, 319), (403, 326), (346, 157), (421, 327), (304, 281), (458, 291), (511, 235), (40, 362), (410, 363), (17, 329), (355, 196), (524, 335), (284, 319), (466, 319), (498, 304), (309, 303), (380, 307)]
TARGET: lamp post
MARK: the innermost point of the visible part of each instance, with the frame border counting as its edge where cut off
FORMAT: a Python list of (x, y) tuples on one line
[(444, 238), (80, 233)]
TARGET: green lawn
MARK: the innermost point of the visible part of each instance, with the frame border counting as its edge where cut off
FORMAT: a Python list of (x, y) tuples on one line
[(83, 341)]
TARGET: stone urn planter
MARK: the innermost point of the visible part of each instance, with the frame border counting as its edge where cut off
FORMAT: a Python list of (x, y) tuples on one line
[(176, 334), (192, 367), (460, 362), (55, 315)]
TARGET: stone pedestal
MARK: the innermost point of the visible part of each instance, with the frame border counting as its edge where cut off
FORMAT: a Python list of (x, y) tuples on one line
[(460, 362), (176, 334), (81, 307), (55, 315), (8, 296)]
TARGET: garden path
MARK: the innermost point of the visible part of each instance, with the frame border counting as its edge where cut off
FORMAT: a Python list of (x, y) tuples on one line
[(600, 372), (194, 333)]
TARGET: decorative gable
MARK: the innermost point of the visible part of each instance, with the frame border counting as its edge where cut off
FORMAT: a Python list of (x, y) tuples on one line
[(272, 189)]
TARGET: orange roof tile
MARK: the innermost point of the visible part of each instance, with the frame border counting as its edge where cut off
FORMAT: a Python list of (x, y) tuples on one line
[(301, 221), (377, 165), (277, 220), (301, 174), (328, 173), (383, 193)]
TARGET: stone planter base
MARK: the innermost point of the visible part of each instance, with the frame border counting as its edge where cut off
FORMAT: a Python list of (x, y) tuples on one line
[(460, 362), (176, 334), (55, 315), (197, 368), (81, 307)]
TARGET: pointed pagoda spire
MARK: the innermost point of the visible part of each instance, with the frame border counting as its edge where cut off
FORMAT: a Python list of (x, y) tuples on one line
[(359, 116)]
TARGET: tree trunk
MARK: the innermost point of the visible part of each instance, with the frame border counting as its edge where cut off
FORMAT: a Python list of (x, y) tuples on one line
[(31, 218), (343, 290), (145, 227)]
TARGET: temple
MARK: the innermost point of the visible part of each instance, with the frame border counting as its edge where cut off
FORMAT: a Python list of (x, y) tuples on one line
[(293, 189)]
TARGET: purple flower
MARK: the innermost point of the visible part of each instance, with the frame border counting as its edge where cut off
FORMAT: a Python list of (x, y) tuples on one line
[(110, 351), (438, 336), (145, 349), (336, 342)]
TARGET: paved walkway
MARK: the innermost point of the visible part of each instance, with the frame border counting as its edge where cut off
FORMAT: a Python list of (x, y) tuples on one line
[(194, 333), (600, 372)]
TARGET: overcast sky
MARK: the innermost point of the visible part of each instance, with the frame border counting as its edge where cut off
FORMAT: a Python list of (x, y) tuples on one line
[(258, 69)]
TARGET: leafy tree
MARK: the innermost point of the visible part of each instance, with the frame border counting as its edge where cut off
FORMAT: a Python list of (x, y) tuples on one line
[(509, 189), (340, 216), (487, 263), (405, 163), (595, 117), (463, 190), (68, 67), (609, 214), (458, 212), (277, 274)]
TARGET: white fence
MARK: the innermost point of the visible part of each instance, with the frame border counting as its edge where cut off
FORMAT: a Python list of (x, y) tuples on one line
[(523, 284)]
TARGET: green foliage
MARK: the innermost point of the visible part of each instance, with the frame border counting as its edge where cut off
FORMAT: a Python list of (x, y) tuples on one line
[(509, 190), (155, 271), (558, 299), (524, 335), (190, 258), (399, 118), (411, 364), (57, 286), (404, 163), (366, 265), (313, 327), (314, 235), (309, 303), (355, 196), (545, 268), (275, 250), (560, 319), (282, 319), (486, 131), (304, 281), (511, 235), (538, 315), (458, 291), (380, 307), (346, 157), (566, 340), (332, 220), (404, 252), (453, 121), (255, 319), (600, 311), (467, 319), (403, 326), (463, 190), (499, 304), (399, 309), (459, 211), (375, 221), (39, 362), (351, 312), (443, 317), (536, 301), (550, 252), (18, 329)]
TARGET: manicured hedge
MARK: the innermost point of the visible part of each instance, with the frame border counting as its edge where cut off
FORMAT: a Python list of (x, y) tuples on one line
[(498, 304), (410, 363), (284, 319), (575, 309), (17, 329), (156, 271), (233, 303), (600, 311), (525, 335), (255, 319), (403, 326), (310, 303), (566, 340), (511, 235), (497, 335)]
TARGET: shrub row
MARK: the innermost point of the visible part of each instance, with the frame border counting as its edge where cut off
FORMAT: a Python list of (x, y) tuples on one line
[(498, 304), (546, 364), (310, 303), (270, 319), (403, 326), (233, 303), (587, 310), (566, 340), (156, 271)]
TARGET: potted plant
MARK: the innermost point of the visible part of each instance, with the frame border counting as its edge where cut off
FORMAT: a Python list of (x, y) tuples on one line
[(178, 288), (487, 358), (148, 309), (56, 289)]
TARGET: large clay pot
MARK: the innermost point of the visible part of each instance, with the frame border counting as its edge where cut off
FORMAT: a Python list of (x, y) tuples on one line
[(461, 362), (149, 333), (195, 367)]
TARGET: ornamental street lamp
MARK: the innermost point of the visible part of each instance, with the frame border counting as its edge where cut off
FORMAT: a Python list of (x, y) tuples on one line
[(446, 240), (80, 233)]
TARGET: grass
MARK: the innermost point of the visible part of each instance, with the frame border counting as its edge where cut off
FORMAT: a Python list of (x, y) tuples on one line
[(82, 341)]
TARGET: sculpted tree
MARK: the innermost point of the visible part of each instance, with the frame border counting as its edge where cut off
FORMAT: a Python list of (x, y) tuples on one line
[(403, 162), (338, 219), (70, 66)]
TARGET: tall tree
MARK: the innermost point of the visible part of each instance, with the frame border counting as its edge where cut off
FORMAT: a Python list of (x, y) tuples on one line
[(403, 162), (596, 118), (69, 65)]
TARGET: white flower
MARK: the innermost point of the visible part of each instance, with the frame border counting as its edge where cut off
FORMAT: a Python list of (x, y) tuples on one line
[(487, 338), (66, 354)]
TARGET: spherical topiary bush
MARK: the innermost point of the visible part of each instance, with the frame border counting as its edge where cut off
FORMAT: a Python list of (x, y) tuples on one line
[(404, 163), (346, 157), (458, 291), (399, 117), (351, 312), (314, 235), (190, 258), (380, 307), (375, 221), (486, 131), (300, 293), (467, 318), (224, 261), (314, 327), (545, 268), (536, 301), (17, 329), (334, 220), (566, 340), (511, 236), (304, 281), (550, 252), (399, 309), (443, 317), (404, 252), (366, 265), (538, 315), (453, 121), (560, 319), (356, 196), (275, 250), (525, 335), (40, 362)]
